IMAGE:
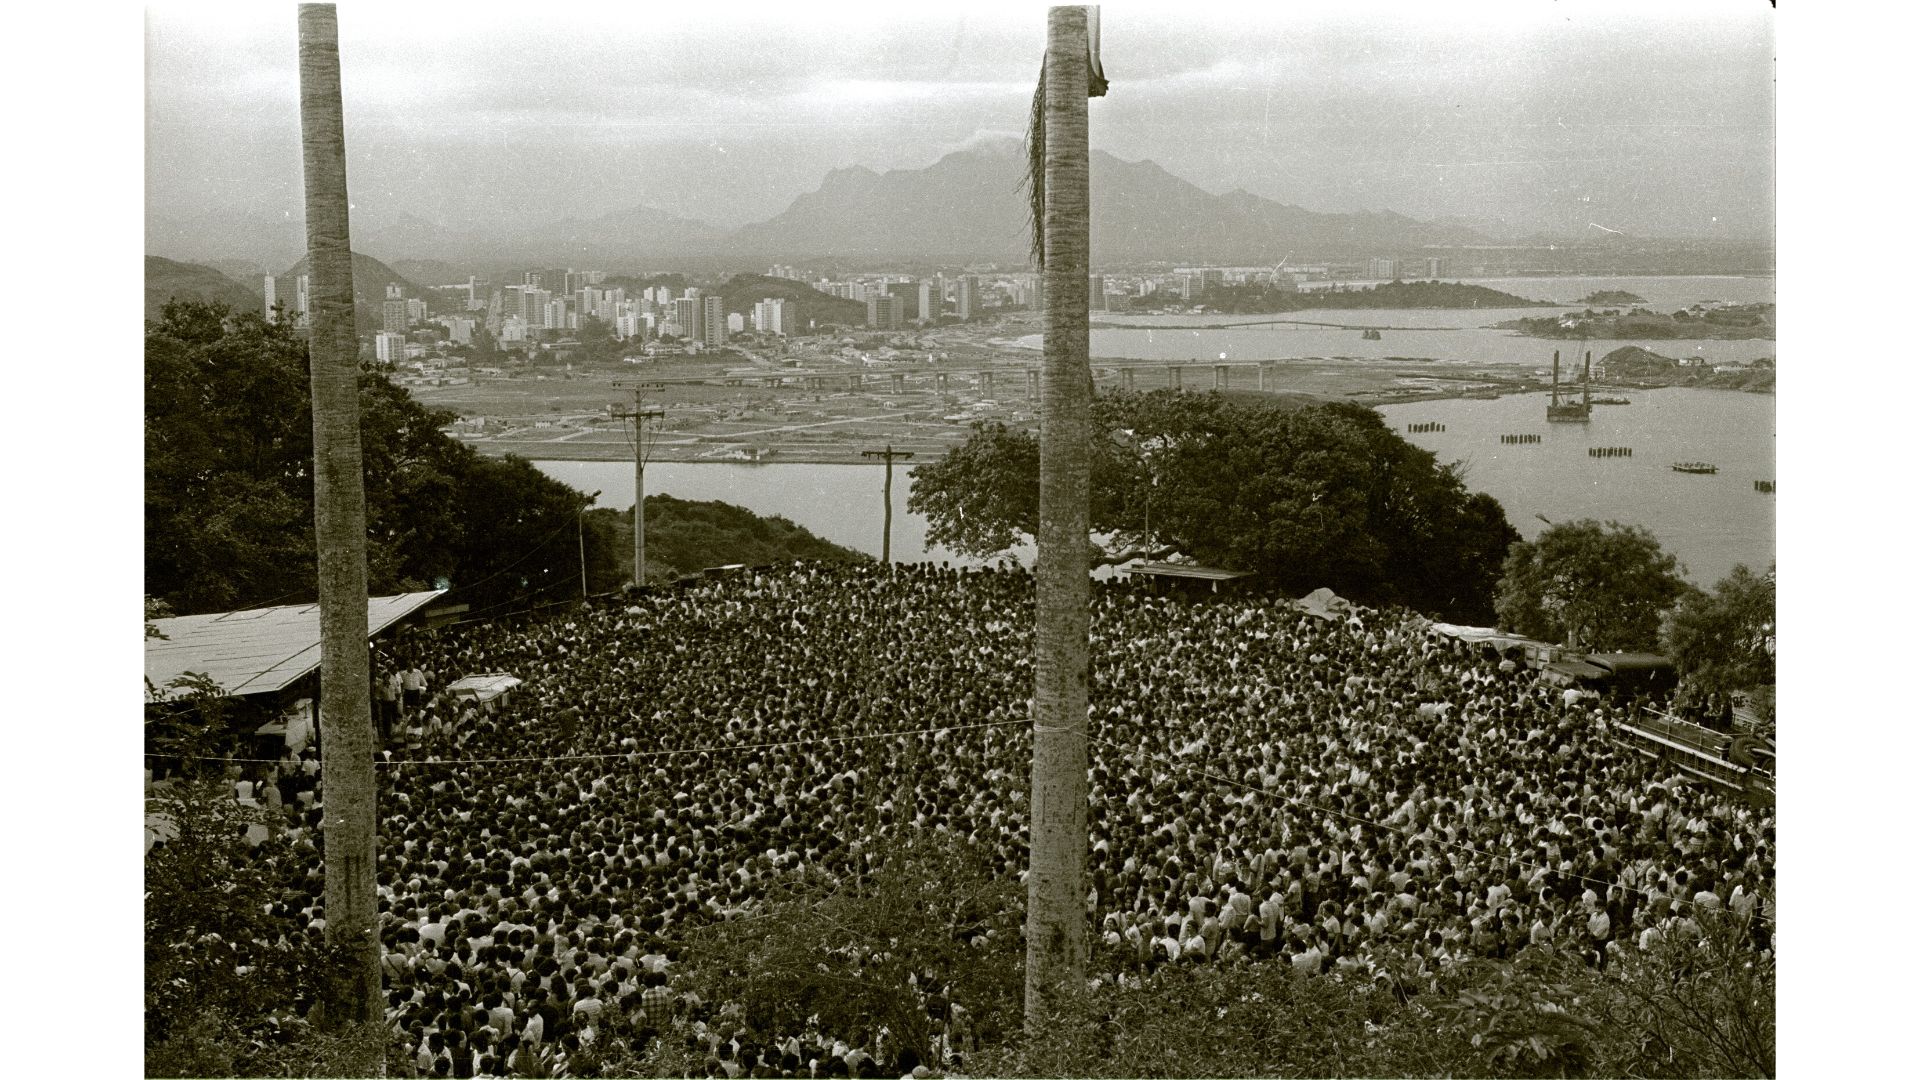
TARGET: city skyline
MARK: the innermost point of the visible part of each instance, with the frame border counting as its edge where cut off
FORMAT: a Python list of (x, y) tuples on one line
[(1524, 117)]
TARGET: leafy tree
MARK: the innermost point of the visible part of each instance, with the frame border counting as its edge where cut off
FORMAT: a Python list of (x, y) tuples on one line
[(1722, 641), (1594, 586), (229, 978), (229, 488), (1686, 1006), (926, 926), (1325, 495)]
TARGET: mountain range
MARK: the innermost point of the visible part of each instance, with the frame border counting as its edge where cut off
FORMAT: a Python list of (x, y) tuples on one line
[(968, 206), (169, 279)]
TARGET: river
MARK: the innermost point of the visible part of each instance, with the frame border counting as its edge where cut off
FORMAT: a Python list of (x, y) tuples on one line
[(1710, 522)]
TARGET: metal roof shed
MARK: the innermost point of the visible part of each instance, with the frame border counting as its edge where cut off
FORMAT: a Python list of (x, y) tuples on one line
[(1187, 571), (259, 650)]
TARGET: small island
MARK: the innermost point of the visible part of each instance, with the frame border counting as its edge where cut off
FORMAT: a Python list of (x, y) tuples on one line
[(1265, 300), (1634, 366), (1729, 322), (1611, 298)]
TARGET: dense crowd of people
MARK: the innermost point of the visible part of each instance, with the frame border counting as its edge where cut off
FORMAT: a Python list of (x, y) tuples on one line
[(1345, 794)]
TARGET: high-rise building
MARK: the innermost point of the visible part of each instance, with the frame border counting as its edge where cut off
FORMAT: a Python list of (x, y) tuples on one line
[(533, 305), (300, 287), (389, 348), (736, 323), (268, 288), (459, 330), (929, 302), (477, 291), (416, 311), (686, 315), (1436, 268), (554, 316), (1096, 293), (884, 311), (393, 315), (1381, 269), (964, 299), (773, 316), (713, 321)]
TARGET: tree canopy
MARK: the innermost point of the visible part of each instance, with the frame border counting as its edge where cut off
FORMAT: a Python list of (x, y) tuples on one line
[(1601, 587), (229, 485), (1326, 495), (1722, 641)]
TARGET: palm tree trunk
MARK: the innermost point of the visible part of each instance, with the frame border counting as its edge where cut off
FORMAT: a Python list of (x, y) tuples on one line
[(1056, 885), (352, 992)]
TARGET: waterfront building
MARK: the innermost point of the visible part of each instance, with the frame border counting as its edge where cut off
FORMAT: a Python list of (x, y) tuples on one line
[(1381, 269)]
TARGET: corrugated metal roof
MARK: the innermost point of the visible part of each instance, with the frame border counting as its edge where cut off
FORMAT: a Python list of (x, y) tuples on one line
[(1185, 570), (259, 650)]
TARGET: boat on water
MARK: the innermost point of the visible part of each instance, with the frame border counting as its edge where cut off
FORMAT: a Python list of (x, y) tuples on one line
[(1370, 335), (1695, 467), (1611, 401)]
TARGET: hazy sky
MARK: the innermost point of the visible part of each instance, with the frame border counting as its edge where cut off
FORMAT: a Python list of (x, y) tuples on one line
[(1646, 118)]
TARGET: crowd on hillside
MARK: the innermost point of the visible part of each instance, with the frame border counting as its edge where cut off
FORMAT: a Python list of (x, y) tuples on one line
[(1345, 794)]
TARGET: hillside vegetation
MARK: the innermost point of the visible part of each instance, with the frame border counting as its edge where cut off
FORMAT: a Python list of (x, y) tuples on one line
[(170, 280), (685, 536)]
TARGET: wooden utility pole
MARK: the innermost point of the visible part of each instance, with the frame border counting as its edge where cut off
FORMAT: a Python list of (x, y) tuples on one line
[(1056, 883), (886, 498), (351, 993), (639, 414), (580, 527)]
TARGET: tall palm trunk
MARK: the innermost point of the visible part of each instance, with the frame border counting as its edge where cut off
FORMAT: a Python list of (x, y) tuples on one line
[(1056, 885), (352, 992)]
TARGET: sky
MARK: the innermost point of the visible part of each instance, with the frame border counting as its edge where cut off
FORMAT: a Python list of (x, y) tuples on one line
[(1535, 115)]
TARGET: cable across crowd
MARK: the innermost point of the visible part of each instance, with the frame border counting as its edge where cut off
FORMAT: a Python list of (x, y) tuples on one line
[(1352, 793)]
